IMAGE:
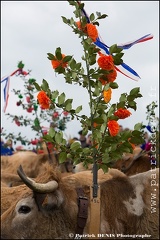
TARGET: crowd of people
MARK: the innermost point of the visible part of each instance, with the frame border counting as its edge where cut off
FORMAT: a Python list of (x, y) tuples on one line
[(84, 140), (7, 147)]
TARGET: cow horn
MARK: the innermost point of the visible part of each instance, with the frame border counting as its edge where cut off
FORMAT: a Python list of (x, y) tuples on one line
[(37, 187)]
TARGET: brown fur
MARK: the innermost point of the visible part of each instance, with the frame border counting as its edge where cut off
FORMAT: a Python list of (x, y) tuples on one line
[(141, 164), (60, 215)]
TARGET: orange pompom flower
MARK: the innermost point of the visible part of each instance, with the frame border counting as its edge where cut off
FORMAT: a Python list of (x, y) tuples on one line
[(113, 127), (43, 100), (105, 62), (79, 25), (110, 77), (103, 80), (57, 63), (92, 31), (107, 95), (122, 113)]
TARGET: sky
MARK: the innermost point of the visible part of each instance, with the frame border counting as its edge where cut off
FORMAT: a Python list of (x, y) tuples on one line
[(31, 29)]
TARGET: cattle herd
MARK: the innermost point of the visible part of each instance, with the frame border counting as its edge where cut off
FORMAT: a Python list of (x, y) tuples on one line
[(40, 199)]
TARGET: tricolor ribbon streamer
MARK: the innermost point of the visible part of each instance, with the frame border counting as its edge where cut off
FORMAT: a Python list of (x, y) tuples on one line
[(123, 68), (6, 91), (7, 84)]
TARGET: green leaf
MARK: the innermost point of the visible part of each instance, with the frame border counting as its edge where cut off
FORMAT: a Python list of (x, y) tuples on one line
[(20, 65), (58, 137), (55, 94), (44, 85), (60, 69), (113, 85), (117, 60), (51, 56), (123, 97), (104, 167), (65, 20), (134, 91), (78, 109), (136, 140), (96, 91), (72, 64), (61, 98), (58, 53), (68, 104), (67, 59), (48, 138), (92, 17), (74, 75), (62, 157), (78, 66), (138, 126), (37, 86), (120, 104), (132, 104), (51, 132), (130, 97), (115, 49), (75, 145), (136, 133), (102, 16), (98, 120)]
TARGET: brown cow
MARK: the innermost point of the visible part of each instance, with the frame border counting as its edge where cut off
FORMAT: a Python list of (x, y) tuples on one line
[(10, 195), (130, 164), (134, 165), (10, 179), (30, 161), (48, 209), (32, 164)]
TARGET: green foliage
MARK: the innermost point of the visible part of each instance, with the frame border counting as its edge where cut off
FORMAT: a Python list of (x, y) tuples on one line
[(105, 148), (36, 116)]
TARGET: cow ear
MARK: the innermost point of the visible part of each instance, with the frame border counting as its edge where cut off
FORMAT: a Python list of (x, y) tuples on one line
[(49, 201)]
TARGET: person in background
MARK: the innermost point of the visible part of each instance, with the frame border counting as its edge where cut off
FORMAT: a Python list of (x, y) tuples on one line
[(9, 144), (5, 150), (72, 140), (89, 140), (120, 128), (82, 139)]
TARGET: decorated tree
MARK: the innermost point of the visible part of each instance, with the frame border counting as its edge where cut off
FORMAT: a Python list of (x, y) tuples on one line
[(33, 116), (153, 127), (97, 74)]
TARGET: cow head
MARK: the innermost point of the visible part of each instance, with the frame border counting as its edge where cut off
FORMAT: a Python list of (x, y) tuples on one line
[(43, 211), (49, 210)]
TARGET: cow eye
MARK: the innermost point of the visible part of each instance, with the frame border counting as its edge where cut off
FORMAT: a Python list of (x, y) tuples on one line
[(24, 209)]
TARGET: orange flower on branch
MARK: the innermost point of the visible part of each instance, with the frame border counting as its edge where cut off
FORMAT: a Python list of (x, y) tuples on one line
[(79, 25), (110, 77), (122, 113), (57, 63), (90, 29), (43, 100), (107, 95), (105, 62), (113, 127)]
